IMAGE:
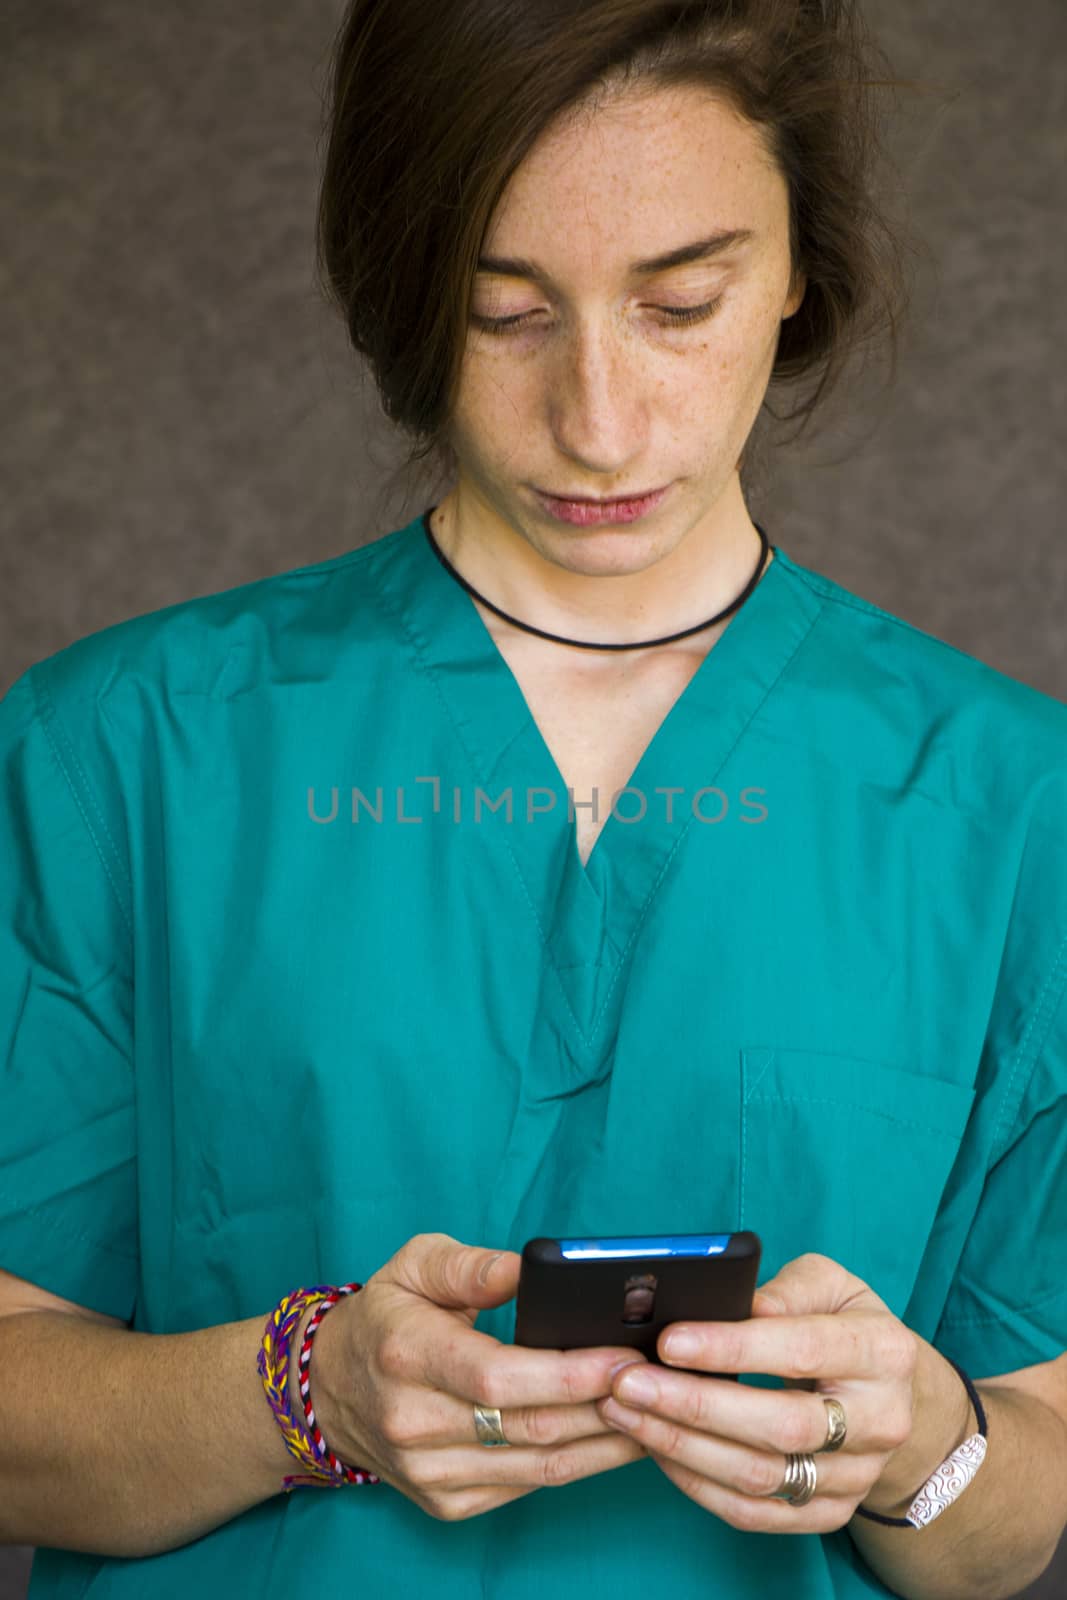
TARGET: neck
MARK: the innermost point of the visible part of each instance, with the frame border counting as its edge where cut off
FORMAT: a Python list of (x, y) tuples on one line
[(696, 578)]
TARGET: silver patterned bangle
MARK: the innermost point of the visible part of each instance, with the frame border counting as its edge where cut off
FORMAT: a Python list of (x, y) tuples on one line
[(951, 1477)]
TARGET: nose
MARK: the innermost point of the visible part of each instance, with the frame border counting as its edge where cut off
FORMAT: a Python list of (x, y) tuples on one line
[(598, 399)]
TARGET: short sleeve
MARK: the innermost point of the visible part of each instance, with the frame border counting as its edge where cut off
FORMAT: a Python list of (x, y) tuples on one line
[(68, 1191), (1007, 1306)]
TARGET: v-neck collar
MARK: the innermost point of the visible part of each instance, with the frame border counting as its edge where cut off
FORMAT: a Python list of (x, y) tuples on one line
[(590, 915)]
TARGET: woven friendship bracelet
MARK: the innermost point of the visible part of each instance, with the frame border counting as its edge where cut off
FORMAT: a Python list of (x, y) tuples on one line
[(303, 1392), (273, 1360), (951, 1477)]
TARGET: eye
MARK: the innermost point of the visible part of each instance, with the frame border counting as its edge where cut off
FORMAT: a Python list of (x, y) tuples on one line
[(673, 315)]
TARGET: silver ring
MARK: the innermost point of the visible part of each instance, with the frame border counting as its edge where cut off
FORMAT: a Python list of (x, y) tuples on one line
[(800, 1480), (488, 1426)]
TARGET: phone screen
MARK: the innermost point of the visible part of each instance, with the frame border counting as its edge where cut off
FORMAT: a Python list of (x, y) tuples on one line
[(671, 1244)]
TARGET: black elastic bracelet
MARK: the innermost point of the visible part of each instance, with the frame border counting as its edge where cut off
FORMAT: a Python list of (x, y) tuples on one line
[(902, 1522)]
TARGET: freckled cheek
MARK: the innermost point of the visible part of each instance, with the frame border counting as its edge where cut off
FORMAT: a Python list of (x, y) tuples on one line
[(702, 379)]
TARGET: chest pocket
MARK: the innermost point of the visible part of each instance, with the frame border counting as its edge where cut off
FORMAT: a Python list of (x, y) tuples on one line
[(846, 1157)]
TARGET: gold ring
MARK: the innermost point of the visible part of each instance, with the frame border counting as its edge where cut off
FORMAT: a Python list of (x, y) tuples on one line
[(836, 1426)]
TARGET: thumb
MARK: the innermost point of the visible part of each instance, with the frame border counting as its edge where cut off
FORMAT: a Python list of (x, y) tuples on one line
[(458, 1275)]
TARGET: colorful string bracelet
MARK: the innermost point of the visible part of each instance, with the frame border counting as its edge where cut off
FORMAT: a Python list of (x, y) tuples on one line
[(325, 1470)]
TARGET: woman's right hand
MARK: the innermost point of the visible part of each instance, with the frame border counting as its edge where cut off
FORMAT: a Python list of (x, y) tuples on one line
[(398, 1367)]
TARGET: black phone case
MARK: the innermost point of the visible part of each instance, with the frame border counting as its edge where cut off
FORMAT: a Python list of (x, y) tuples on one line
[(564, 1304)]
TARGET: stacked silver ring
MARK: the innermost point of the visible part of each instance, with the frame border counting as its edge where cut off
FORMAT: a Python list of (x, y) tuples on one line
[(799, 1482)]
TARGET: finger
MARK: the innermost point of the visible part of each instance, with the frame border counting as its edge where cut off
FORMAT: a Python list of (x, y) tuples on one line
[(456, 1468), (778, 1420), (467, 1502), (758, 1514), (441, 1420), (861, 1344), (814, 1282), (478, 1369), (742, 1467)]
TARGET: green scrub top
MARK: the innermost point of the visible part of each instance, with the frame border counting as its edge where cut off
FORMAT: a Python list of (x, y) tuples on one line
[(283, 983)]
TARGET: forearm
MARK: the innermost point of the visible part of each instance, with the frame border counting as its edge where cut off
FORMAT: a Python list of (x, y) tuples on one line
[(1001, 1533), (129, 1444)]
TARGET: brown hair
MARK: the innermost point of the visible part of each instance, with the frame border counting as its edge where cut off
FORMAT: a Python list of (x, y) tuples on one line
[(433, 104)]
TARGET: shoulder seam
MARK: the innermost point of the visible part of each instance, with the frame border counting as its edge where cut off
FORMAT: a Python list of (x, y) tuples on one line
[(831, 591), (54, 732), (325, 568)]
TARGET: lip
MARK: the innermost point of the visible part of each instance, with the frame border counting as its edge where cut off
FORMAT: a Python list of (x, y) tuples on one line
[(593, 513), (600, 500)]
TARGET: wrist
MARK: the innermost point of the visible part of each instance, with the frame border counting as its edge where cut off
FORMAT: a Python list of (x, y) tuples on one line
[(293, 1329), (281, 1461), (321, 1366), (943, 1418), (277, 1459)]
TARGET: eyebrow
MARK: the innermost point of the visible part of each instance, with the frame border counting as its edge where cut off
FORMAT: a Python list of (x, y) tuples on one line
[(698, 250)]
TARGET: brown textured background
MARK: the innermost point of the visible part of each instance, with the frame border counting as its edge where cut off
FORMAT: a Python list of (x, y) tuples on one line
[(180, 413)]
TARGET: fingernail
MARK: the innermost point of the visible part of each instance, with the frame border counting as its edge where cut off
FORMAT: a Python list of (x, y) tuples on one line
[(487, 1267), (640, 1388), (680, 1346)]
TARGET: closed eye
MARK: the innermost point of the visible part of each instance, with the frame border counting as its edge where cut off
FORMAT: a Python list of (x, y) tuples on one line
[(674, 316)]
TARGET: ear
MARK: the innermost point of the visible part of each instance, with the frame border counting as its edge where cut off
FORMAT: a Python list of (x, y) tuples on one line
[(797, 291)]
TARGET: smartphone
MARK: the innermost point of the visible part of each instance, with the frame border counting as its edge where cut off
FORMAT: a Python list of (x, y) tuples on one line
[(576, 1293)]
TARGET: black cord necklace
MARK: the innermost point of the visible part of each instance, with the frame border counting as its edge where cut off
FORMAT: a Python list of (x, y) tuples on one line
[(640, 644)]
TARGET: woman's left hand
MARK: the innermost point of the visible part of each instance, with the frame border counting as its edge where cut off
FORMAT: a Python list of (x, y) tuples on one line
[(724, 1444)]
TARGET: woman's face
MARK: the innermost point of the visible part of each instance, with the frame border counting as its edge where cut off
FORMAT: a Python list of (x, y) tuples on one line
[(599, 392)]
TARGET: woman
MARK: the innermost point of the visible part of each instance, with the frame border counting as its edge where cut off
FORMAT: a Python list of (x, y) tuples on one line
[(545, 869)]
